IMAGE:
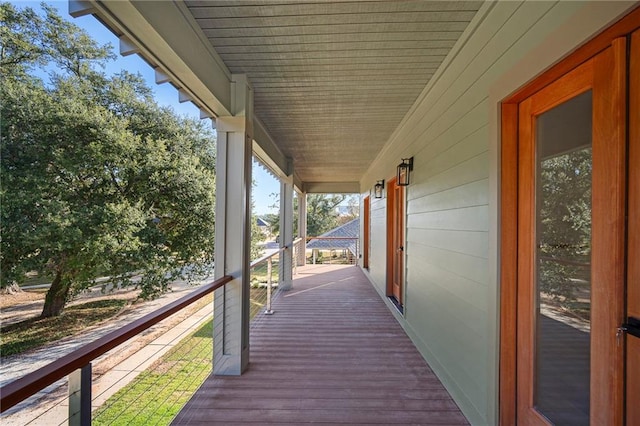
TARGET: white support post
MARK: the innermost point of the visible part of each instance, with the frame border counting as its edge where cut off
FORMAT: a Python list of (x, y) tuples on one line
[(80, 397), (302, 227), (233, 234), (286, 235)]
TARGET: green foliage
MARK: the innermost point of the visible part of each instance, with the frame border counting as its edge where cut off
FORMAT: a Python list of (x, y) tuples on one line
[(96, 177), (28, 41), (257, 236), (322, 215), (565, 225), (273, 220)]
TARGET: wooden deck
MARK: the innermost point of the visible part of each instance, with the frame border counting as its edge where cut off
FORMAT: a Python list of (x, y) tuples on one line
[(331, 354)]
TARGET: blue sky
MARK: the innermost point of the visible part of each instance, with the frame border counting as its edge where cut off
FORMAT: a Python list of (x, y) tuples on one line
[(165, 94)]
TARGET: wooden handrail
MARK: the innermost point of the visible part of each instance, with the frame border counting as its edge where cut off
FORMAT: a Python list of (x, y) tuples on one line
[(29, 384)]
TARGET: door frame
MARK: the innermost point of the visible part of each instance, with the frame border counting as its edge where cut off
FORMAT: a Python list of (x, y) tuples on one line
[(508, 209), (633, 226)]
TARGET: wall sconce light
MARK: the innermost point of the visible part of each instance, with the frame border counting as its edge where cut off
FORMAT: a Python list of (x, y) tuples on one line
[(377, 189), (403, 171)]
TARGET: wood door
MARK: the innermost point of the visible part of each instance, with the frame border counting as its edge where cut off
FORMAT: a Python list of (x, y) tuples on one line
[(395, 240), (367, 232), (633, 269), (571, 246)]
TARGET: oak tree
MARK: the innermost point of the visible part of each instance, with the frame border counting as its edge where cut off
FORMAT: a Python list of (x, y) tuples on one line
[(97, 178)]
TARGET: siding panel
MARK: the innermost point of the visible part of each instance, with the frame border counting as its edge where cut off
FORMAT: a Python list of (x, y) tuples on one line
[(475, 270), (473, 244), (467, 171), (464, 367), (378, 255), (465, 219), (466, 195), (463, 289)]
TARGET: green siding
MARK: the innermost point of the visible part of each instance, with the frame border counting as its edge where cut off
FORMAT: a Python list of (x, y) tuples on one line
[(451, 298)]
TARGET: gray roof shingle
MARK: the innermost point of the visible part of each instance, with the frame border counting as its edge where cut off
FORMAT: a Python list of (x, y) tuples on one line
[(348, 230)]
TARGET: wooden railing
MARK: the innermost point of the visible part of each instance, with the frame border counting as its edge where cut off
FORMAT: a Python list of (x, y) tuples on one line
[(78, 362)]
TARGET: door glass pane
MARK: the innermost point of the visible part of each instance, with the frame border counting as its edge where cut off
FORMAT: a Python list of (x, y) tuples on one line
[(563, 223)]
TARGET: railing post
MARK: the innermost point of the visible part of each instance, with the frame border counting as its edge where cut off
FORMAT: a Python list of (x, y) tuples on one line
[(355, 262), (269, 311), (294, 258), (80, 397)]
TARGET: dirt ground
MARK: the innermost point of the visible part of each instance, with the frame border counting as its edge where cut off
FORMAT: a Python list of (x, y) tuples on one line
[(7, 300), (22, 305), (25, 304)]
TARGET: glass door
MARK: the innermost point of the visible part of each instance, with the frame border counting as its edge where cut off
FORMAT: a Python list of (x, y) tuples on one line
[(633, 269), (571, 246)]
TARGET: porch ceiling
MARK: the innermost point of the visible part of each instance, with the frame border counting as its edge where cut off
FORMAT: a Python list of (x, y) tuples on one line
[(333, 79)]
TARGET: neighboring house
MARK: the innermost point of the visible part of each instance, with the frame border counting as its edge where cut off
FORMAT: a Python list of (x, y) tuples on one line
[(344, 238), (264, 226)]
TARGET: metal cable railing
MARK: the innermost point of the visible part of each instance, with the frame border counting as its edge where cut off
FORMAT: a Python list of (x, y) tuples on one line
[(171, 380), (120, 400), (77, 364), (263, 272)]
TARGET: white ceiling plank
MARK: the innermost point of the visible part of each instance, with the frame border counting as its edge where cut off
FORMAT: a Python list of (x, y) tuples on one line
[(331, 80)]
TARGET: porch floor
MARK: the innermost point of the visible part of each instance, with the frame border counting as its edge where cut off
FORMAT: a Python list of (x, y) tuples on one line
[(331, 354)]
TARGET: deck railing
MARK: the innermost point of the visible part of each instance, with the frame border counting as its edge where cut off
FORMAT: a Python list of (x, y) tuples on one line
[(77, 364), (299, 248), (262, 277), (334, 250)]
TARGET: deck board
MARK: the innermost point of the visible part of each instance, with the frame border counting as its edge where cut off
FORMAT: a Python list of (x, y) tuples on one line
[(331, 354)]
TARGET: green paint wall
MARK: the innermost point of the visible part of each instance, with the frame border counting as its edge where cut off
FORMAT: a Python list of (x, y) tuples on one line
[(452, 293)]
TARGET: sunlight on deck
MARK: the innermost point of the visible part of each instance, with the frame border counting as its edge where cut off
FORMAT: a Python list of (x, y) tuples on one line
[(331, 354)]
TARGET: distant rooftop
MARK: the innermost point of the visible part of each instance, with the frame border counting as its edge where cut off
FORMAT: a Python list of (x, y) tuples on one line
[(348, 230)]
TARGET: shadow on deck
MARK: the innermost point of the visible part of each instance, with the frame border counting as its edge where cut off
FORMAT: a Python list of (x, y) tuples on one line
[(331, 354)]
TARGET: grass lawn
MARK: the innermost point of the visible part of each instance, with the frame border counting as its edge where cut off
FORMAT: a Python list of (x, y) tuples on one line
[(35, 332), (157, 395), (259, 273)]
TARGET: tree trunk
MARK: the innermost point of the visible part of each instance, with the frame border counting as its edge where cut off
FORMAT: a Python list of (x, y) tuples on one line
[(56, 297)]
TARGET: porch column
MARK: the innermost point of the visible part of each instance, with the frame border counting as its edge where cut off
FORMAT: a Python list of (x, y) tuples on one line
[(302, 227), (233, 233), (286, 234)]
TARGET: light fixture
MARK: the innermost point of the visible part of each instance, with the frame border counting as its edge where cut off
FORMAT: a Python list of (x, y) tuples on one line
[(377, 189), (403, 171)]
